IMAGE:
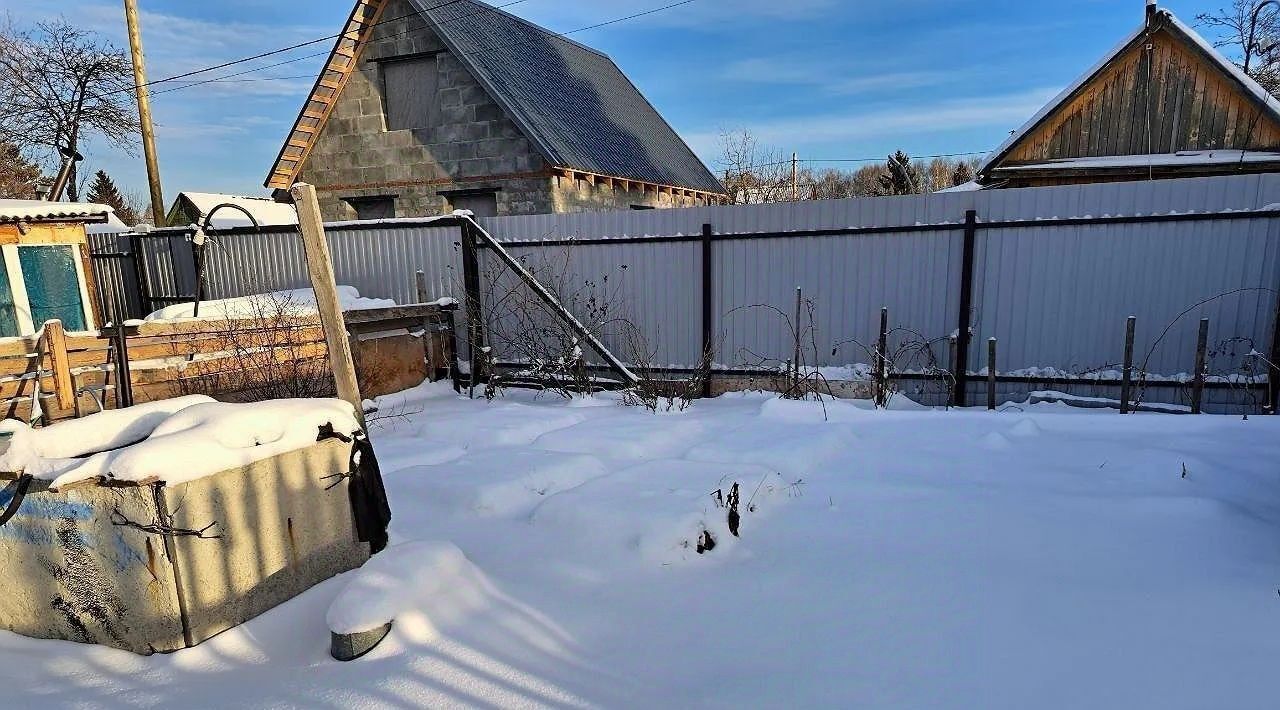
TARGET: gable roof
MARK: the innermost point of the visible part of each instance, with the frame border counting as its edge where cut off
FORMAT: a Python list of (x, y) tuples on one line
[(1160, 19), (12, 211), (573, 103)]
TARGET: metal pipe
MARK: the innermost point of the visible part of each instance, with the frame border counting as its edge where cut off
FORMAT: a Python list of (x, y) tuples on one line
[(198, 244), (1252, 45), (69, 159)]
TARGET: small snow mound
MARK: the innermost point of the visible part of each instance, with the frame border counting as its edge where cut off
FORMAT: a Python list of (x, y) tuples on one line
[(1026, 428), (44, 453), (670, 507), (995, 441), (392, 581)]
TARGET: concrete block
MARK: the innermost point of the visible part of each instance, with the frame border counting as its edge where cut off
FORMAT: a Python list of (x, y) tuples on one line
[(125, 567)]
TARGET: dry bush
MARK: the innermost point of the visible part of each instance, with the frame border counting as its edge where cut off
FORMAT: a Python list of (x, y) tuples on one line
[(275, 353), (523, 331)]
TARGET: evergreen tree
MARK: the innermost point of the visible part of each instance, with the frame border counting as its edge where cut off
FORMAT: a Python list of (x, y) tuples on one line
[(103, 191), (18, 176), (900, 176), (962, 174)]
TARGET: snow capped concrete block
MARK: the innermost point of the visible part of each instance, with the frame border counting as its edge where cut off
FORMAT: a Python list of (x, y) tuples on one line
[(143, 564)]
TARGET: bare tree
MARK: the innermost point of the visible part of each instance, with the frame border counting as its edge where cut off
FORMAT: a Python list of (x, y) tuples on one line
[(60, 84), (1234, 23), (754, 175)]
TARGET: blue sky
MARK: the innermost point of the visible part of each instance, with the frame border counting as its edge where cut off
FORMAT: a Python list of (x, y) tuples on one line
[(829, 79)]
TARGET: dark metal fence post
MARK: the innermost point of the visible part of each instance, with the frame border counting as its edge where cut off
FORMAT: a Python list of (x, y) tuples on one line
[(1273, 372), (1197, 387), (471, 283), (1127, 383), (961, 397), (142, 278), (708, 313), (991, 374), (882, 355), (795, 383), (124, 377)]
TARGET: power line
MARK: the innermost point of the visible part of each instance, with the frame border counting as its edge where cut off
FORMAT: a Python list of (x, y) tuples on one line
[(282, 50), (482, 50), (224, 65)]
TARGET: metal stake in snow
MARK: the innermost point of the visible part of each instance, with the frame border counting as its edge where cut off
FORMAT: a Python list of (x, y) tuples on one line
[(550, 299), (320, 267)]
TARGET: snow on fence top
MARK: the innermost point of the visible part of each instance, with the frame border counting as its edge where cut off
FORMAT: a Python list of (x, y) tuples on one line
[(296, 302), (171, 441)]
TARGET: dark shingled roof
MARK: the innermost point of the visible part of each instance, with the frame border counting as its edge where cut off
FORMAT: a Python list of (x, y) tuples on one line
[(571, 101)]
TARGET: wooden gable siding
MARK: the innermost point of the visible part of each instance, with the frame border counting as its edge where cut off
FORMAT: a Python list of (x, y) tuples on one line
[(1194, 105)]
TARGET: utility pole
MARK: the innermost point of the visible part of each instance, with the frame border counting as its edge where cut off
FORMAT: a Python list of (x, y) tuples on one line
[(795, 177), (144, 111)]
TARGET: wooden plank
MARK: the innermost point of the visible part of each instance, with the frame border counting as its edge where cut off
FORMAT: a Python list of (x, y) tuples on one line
[(56, 346), (320, 268)]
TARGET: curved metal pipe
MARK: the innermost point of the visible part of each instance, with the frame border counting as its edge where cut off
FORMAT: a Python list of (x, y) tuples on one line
[(198, 241)]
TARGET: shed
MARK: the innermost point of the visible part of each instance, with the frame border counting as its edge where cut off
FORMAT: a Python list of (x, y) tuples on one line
[(45, 272), (193, 207), (1163, 104)]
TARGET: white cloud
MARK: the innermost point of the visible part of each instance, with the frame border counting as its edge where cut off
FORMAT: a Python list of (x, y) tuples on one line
[(701, 14), (831, 77), (1007, 110)]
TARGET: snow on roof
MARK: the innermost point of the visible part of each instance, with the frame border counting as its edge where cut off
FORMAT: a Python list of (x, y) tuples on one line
[(113, 225), (268, 212), (1247, 82), (1159, 160), (971, 186), (41, 211)]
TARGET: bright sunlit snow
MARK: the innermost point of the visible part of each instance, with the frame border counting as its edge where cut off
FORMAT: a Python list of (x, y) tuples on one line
[(545, 554)]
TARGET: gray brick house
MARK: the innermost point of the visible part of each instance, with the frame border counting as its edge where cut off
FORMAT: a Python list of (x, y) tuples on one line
[(427, 106)]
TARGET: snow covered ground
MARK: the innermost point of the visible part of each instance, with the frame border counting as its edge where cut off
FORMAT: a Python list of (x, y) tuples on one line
[(544, 554)]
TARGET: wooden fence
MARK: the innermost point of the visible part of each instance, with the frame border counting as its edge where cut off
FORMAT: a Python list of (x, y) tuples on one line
[(74, 374)]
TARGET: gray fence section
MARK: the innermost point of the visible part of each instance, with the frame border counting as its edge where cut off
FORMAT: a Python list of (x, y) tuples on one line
[(1054, 288), (1059, 296), (380, 263)]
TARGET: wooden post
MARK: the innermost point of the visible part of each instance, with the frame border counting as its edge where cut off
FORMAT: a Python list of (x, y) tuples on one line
[(708, 313), (1202, 348), (144, 112), (965, 319), (55, 338), (1127, 383), (991, 374), (320, 267), (471, 284), (420, 283), (882, 354)]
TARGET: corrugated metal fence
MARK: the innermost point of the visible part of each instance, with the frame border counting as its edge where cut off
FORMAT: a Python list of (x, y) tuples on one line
[(1055, 272)]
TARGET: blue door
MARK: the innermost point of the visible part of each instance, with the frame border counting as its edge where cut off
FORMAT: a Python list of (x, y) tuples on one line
[(8, 313), (53, 285)]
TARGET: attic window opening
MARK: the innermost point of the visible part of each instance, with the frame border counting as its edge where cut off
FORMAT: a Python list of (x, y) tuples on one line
[(375, 207), (409, 87)]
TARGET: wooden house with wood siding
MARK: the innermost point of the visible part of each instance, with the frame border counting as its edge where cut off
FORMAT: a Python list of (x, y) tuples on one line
[(1164, 104)]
